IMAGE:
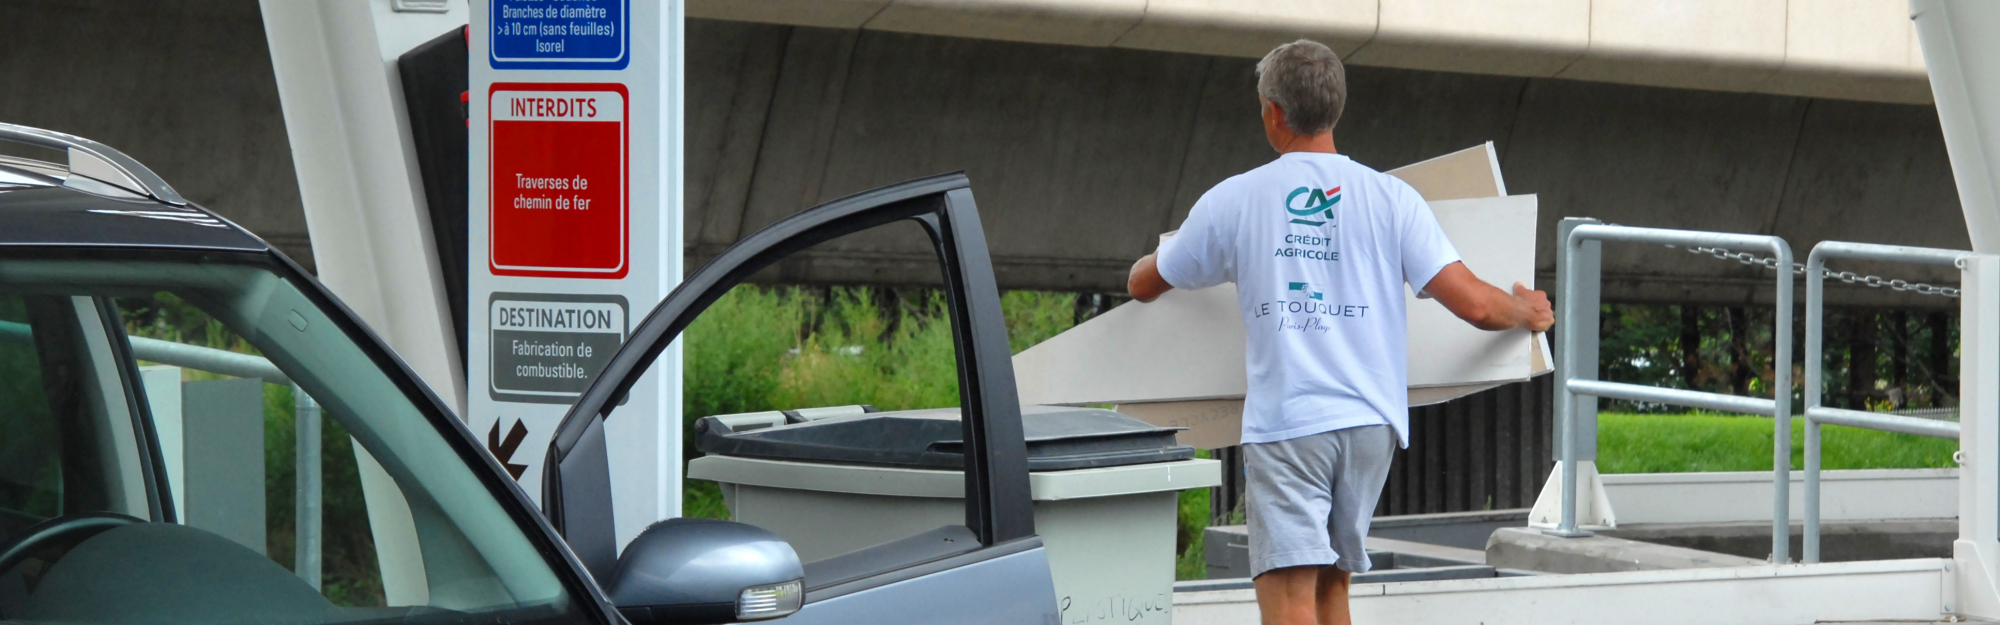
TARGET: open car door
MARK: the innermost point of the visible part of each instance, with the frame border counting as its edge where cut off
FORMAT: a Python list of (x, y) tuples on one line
[(993, 568)]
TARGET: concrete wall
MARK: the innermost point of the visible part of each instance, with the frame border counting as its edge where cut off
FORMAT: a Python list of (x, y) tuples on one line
[(185, 86), (1079, 156)]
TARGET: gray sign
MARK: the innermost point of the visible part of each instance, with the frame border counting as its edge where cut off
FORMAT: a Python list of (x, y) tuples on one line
[(546, 348)]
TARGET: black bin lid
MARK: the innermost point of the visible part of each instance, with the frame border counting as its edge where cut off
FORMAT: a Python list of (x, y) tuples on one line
[(1059, 438)]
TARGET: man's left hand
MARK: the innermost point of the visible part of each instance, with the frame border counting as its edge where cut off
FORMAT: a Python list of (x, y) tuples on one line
[(1487, 307), (1537, 315)]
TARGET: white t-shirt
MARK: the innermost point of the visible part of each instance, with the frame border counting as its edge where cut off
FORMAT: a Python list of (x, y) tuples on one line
[(1319, 248)]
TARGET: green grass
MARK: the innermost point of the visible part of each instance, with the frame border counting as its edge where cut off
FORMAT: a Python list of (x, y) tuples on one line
[(1632, 443), (1193, 513)]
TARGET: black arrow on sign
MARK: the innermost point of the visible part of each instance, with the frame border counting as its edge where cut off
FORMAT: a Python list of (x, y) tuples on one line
[(504, 450)]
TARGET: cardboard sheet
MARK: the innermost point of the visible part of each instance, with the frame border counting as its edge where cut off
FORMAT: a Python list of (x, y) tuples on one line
[(1468, 173), (1178, 361), (1210, 423)]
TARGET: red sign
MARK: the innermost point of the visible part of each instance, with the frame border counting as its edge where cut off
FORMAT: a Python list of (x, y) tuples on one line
[(557, 159)]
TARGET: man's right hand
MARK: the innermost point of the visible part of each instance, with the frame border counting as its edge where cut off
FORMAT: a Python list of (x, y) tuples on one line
[(1145, 283)]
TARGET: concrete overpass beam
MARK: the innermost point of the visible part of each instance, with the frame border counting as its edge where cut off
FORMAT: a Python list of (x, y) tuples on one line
[(1851, 50), (1251, 29), (1514, 38), (1724, 45)]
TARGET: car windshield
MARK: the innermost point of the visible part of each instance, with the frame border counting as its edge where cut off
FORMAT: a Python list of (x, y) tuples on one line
[(191, 438)]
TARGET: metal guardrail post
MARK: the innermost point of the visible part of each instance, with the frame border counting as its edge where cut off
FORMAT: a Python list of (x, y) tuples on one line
[(306, 523), (1781, 396), (1781, 523), (1781, 412), (1815, 361), (1572, 263)]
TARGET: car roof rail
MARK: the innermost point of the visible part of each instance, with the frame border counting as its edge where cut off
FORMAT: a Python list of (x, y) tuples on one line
[(97, 161)]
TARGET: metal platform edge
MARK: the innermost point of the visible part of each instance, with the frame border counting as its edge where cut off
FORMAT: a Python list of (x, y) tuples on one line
[(1915, 589)]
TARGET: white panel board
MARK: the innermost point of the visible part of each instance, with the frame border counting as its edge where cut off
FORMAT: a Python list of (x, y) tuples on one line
[(1188, 345), (1496, 237), (1178, 361)]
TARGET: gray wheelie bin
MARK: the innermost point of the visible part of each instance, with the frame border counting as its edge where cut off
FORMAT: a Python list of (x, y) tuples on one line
[(835, 480)]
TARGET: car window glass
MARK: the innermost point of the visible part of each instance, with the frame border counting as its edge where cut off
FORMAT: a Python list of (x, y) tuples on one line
[(308, 483), (232, 448), (773, 357)]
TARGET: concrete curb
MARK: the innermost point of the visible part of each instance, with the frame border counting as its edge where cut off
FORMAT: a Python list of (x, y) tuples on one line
[(1525, 548)]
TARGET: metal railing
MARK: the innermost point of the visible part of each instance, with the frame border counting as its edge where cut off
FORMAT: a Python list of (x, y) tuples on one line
[(1577, 384), (1815, 414)]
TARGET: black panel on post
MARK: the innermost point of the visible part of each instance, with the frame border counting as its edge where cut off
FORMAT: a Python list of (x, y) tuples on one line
[(434, 90)]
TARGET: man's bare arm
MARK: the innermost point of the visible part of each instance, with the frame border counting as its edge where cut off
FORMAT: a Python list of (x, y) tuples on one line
[(1145, 283), (1487, 307)]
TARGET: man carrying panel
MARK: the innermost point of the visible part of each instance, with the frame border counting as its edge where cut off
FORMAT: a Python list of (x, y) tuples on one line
[(1319, 247)]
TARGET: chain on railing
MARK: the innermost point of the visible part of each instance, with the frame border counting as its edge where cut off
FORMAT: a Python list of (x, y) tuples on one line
[(1848, 277)]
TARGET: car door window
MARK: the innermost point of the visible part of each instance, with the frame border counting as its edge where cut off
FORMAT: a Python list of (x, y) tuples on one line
[(196, 434), (858, 524), (839, 359)]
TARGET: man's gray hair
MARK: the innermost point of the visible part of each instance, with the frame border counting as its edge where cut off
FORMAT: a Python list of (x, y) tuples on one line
[(1308, 81)]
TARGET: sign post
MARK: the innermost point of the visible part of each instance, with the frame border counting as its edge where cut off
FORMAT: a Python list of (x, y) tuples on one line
[(575, 174)]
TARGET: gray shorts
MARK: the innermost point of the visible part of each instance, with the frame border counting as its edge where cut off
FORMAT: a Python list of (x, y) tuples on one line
[(1311, 498)]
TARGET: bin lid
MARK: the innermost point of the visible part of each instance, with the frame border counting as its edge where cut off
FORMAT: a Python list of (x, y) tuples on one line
[(1059, 438)]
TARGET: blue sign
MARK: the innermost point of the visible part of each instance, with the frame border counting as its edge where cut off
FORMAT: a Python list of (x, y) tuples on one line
[(560, 34)]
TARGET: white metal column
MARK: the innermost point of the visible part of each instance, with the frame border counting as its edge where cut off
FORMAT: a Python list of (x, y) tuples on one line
[(1976, 552), (335, 63), (1961, 43)]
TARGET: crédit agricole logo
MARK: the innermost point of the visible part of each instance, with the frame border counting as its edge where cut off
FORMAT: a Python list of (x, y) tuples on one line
[(1317, 207), (1309, 206)]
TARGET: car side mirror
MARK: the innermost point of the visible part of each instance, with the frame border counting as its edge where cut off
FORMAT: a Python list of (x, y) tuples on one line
[(698, 571)]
